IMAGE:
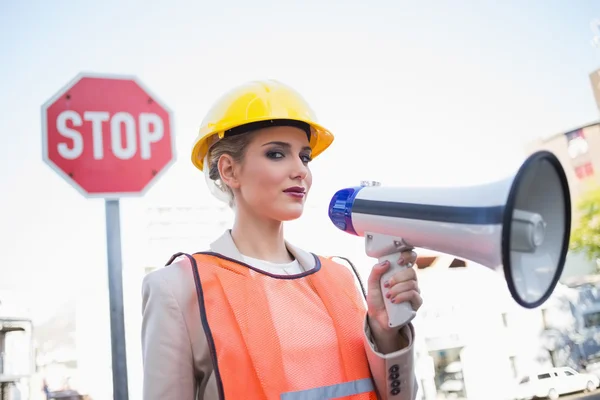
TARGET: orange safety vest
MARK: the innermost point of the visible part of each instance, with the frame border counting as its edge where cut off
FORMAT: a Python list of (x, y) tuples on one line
[(297, 337)]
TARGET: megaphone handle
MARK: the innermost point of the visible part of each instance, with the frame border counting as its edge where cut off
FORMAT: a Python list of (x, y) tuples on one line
[(398, 314)]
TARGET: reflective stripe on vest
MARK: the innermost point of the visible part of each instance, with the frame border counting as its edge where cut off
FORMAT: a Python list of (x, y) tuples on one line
[(297, 337), (332, 392)]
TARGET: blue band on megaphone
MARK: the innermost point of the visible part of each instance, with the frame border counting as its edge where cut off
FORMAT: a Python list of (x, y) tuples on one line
[(340, 209)]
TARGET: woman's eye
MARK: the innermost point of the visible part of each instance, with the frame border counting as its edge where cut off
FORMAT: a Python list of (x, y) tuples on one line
[(275, 154), (306, 158)]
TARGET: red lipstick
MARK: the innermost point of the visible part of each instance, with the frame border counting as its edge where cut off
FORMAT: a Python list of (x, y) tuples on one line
[(296, 191)]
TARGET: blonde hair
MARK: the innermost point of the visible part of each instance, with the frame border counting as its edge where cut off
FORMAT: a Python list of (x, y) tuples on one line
[(235, 146)]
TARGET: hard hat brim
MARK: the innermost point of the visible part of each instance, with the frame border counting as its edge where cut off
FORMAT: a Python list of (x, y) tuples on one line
[(321, 139)]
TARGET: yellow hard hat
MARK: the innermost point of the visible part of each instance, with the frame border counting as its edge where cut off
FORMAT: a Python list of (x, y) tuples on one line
[(254, 105)]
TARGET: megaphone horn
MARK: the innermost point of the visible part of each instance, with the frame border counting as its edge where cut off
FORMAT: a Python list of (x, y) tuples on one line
[(518, 226)]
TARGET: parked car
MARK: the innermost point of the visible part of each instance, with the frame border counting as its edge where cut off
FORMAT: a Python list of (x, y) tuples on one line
[(554, 382), (65, 395)]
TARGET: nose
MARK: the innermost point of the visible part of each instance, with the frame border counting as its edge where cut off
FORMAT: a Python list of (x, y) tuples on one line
[(300, 170)]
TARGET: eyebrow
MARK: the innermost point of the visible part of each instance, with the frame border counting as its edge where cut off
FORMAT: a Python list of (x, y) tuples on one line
[(286, 145)]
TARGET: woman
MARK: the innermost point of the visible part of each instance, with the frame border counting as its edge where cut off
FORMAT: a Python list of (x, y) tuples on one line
[(256, 317)]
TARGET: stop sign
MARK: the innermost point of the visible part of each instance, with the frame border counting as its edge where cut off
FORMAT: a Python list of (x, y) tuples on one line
[(107, 136)]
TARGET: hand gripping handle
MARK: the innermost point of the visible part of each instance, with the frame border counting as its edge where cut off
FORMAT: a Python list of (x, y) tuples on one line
[(386, 248), (399, 314)]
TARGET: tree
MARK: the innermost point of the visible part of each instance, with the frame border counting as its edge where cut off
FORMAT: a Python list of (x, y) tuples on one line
[(585, 238)]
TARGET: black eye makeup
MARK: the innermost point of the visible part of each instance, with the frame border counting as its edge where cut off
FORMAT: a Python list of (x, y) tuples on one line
[(306, 158), (275, 154), (280, 150)]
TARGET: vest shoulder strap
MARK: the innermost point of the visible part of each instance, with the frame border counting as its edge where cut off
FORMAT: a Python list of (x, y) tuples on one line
[(356, 274), (175, 256)]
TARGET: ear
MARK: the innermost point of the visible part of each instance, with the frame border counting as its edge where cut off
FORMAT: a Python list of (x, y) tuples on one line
[(227, 171)]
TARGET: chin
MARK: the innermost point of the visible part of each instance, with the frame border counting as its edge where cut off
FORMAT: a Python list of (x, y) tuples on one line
[(289, 214)]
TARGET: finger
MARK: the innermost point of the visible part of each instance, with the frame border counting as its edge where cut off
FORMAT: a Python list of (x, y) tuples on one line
[(407, 274), (401, 287), (407, 257), (411, 296), (376, 272), (417, 302)]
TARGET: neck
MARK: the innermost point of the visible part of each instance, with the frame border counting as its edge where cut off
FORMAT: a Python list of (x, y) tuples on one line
[(259, 238)]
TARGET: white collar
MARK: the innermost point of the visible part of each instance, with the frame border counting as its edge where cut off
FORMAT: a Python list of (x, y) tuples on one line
[(225, 245)]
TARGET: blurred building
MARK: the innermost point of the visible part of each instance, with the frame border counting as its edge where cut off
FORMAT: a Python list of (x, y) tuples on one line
[(579, 152), (182, 228), (56, 346), (58, 352), (573, 325), (473, 340), (16, 347)]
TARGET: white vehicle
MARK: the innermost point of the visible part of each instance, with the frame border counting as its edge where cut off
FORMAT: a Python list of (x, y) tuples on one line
[(554, 382)]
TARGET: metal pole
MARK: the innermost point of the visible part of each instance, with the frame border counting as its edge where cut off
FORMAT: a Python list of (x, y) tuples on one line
[(115, 291)]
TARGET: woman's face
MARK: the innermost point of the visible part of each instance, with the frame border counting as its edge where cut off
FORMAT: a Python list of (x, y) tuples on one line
[(273, 179)]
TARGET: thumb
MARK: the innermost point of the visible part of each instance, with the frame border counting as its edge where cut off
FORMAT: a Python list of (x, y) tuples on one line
[(376, 273)]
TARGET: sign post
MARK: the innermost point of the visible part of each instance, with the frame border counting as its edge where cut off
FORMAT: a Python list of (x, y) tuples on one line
[(115, 293), (109, 137)]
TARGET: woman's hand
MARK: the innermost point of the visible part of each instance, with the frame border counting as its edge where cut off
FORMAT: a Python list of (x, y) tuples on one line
[(401, 287)]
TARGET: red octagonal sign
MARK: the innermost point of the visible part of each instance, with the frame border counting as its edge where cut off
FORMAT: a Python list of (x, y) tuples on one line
[(107, 136)]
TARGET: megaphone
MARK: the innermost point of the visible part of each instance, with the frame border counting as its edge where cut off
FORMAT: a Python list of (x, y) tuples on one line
[(519, 226)]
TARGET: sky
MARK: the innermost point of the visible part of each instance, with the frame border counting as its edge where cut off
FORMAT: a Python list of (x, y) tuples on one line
[(417, 93)]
